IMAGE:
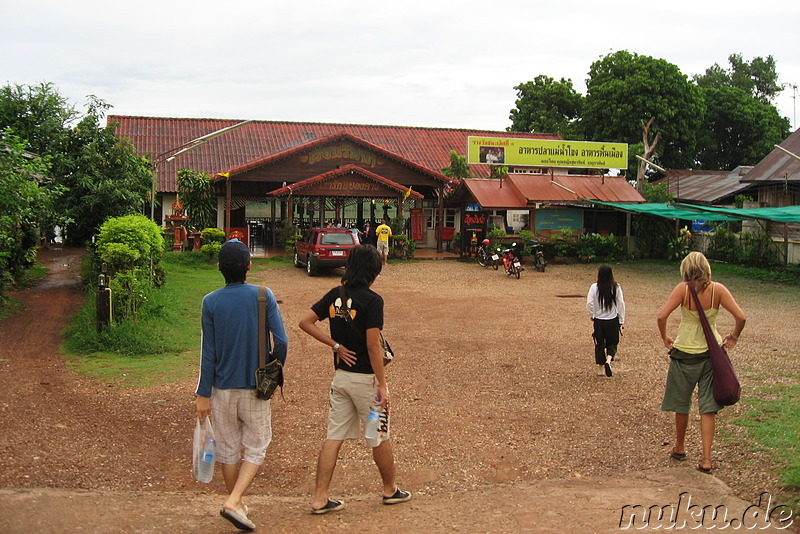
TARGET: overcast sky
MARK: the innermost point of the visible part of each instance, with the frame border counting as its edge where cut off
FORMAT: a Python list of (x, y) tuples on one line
[(411, 63)]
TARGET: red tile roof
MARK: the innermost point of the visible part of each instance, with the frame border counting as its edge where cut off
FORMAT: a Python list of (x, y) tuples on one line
[(427, 147), (353, 169), (324, 140)]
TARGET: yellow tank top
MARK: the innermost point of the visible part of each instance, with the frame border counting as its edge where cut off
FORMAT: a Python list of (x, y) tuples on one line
[(690, 337)]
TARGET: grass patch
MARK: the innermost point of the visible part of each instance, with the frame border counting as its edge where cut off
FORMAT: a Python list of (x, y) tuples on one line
[(34, 273), (9, 305), (789, 275), (773, 424), (163, 344)]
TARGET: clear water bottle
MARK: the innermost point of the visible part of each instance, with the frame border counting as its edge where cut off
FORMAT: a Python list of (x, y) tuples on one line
[(205, 467), (374, 421)]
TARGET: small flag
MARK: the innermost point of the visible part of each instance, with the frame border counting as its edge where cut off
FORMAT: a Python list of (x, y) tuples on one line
[(407, 194)]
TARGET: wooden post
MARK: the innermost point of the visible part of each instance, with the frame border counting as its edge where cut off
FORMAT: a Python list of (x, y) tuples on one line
[(227, 206), (440, 220), (274, 226)]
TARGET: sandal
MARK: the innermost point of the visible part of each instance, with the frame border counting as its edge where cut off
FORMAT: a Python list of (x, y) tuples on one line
[(680, 456), (705, 470)]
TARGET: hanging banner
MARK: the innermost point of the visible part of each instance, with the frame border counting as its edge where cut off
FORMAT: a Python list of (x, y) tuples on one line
[(416, 224), (546, 153)]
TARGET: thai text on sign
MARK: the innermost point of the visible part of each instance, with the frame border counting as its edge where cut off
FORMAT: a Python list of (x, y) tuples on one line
[(546, 153)]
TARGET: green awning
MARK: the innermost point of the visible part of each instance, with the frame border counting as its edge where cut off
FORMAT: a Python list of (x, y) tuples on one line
[(786, 214), (669, 211)]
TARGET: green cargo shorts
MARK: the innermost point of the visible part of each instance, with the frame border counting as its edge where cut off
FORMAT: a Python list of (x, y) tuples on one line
[(685, 372)]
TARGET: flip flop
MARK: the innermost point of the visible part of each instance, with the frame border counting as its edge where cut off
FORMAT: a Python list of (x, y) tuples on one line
[(680, 456), (238, 518), (607, 367), (704, 470), (330, 506)]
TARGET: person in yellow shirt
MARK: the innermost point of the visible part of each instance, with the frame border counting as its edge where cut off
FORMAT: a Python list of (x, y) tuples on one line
[(384, 233)]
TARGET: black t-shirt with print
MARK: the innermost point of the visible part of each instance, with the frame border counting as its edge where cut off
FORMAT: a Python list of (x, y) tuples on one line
[(366, 309)]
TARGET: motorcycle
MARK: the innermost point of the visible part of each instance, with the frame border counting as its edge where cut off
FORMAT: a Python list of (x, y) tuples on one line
[(487, 257), (511, 261), (539, 263)]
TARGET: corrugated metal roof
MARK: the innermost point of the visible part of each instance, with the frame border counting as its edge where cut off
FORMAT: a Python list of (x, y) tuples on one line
[(706, 187), (778, 165), (519, 191), (427, 147)]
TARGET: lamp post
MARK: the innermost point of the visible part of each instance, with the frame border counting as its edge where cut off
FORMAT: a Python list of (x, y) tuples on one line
[(173, 153)]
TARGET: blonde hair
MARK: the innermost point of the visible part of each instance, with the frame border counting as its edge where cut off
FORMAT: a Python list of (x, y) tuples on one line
[(695, 268)]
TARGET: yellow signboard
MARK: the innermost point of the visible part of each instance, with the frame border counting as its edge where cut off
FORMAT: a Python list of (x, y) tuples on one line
[(547, 153)]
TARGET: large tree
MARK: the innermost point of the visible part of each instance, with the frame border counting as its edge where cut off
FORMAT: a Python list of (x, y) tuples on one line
[(38, 114), (757, 77), (624, 90), (25, 201), (547, 105), (738, 129), (100, 175)]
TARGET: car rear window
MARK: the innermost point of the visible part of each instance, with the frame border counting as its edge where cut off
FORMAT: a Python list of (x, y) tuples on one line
[(336, 239)]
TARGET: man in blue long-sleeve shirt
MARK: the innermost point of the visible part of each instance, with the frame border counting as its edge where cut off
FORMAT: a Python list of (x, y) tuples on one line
[(226, 386)]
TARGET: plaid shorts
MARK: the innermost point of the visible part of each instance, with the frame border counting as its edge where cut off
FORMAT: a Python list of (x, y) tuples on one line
[(352, 394), (241, 421)]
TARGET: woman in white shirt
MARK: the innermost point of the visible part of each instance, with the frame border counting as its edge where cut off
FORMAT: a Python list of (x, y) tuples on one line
[(606, 308)]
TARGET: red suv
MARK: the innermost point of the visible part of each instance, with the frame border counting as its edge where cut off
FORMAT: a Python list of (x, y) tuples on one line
[(323, 247)]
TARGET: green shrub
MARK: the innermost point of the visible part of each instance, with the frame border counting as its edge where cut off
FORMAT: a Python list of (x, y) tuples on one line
[(724, 246), (398, 225), (211, 250), (288, 235), (758, 250), (212, 235), (129, 292), (129, 242), (495, 235)]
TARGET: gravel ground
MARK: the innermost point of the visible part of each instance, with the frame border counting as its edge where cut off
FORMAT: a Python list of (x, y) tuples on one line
[(494, 383)]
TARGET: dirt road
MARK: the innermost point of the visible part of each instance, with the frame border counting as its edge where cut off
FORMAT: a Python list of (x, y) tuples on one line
[(501, 425)]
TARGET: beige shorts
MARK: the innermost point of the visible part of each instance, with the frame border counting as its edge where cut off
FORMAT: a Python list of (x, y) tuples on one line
[(241, 421), (383, 248), (352, 394)]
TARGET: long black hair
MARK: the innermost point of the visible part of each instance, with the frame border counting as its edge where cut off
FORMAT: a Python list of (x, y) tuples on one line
[(606, 287)]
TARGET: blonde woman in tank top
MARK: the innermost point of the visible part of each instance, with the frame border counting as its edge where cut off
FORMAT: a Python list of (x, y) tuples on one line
[(690, 364)]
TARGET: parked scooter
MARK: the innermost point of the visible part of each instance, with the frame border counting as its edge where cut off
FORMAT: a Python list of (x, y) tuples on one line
[(511, 261), (487, 257), (539, 263)]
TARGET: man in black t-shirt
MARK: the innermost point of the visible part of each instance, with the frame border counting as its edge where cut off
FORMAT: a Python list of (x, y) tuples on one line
[(359, 381)]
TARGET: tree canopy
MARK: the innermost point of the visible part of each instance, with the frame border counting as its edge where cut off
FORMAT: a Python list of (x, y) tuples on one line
[(717, 120), (737, 129), (25, 199), (758, 77), (625, 90), (547, 105), (99, 175)]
